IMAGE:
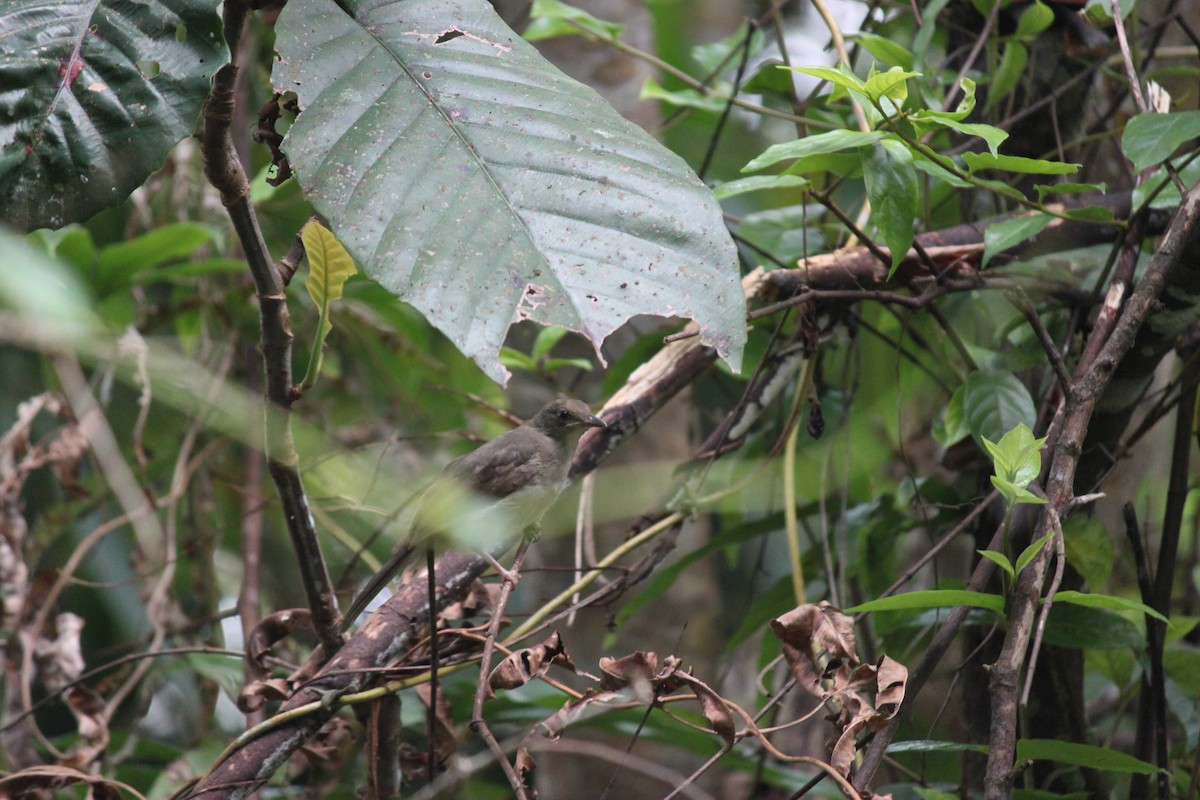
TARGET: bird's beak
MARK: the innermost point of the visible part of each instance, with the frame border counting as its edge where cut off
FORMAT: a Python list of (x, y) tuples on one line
[(592, 421)]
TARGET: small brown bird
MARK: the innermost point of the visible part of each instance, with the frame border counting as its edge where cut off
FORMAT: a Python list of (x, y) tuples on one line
[(521, 472)]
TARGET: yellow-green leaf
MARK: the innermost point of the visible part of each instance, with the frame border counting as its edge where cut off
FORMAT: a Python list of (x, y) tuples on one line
[(329, 267)]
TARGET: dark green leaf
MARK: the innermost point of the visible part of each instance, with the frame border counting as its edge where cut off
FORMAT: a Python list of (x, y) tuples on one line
[(1151, 138), (1093, 600), (1045, 190), (80, 123), (995, 402), (933, 598), (933, 746), (1089, 549), (892, 187), (1012, 232), (1076, 626), (482, 186), (1081, 755), (1008, 74), (1092, 214)]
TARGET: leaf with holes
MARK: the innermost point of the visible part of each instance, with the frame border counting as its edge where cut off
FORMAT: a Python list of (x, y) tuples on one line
[(477, 183), (107, 88)]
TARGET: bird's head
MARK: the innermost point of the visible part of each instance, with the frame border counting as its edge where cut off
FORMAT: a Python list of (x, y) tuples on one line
[(562, 418)]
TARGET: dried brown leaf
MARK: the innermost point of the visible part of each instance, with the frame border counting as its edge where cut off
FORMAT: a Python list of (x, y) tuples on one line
[(521, 666), (713, 706), (270, 630), (257, 693)]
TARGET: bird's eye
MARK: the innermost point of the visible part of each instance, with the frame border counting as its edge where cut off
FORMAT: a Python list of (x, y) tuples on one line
[(563, 414)]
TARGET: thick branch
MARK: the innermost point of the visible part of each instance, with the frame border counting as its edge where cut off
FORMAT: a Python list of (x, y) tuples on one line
[(398, 625), (1179, 250)]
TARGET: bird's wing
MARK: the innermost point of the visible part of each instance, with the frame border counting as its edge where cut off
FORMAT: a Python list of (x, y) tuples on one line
[(517, 460)]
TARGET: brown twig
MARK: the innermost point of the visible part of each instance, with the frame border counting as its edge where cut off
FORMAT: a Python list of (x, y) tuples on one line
[(224, 171), (478, 723)]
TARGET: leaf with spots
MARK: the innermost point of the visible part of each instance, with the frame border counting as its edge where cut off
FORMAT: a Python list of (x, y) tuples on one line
[(477, 183), (107, 88)]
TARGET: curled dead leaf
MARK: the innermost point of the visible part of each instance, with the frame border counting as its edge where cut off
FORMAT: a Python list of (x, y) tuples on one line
[(258, 693), (271, 629), (521, 666), (819, 646)]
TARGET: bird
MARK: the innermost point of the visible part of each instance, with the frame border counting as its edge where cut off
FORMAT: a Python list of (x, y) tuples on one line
[(520, 473)]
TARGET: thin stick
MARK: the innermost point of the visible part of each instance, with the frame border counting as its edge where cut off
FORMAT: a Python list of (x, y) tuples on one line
[(478, 724)]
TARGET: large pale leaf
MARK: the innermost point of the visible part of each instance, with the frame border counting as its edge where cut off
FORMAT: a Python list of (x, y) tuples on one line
[(476, 182), (94, 94)]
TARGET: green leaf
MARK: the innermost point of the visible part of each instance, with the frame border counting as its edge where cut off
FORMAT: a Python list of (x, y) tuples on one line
[(933, 794), (551, 18), (995, 402), (1017, 456), (934, 746), (1044, 190), (80, 124), (515, 359), (552, 364), (546, 339), (891, 183), (1108, 601), (1002, 235), (967, 104), (714, 57), (992, 136), (819, 144), (1031, 552), (1000, 560), (891, 84), (756, 183), (1151, 138), (890, 52), (769, 79), (836, 76), (1033, 20), (119, 264), (1092, 214), (933, 598), (329, 267), (1089, 549), (951, 427), (682, 98), (480, 185), (1098, 13), (1018, 164), (1076, 626), (1008, 74), (1014, 494), (1081, 755)]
